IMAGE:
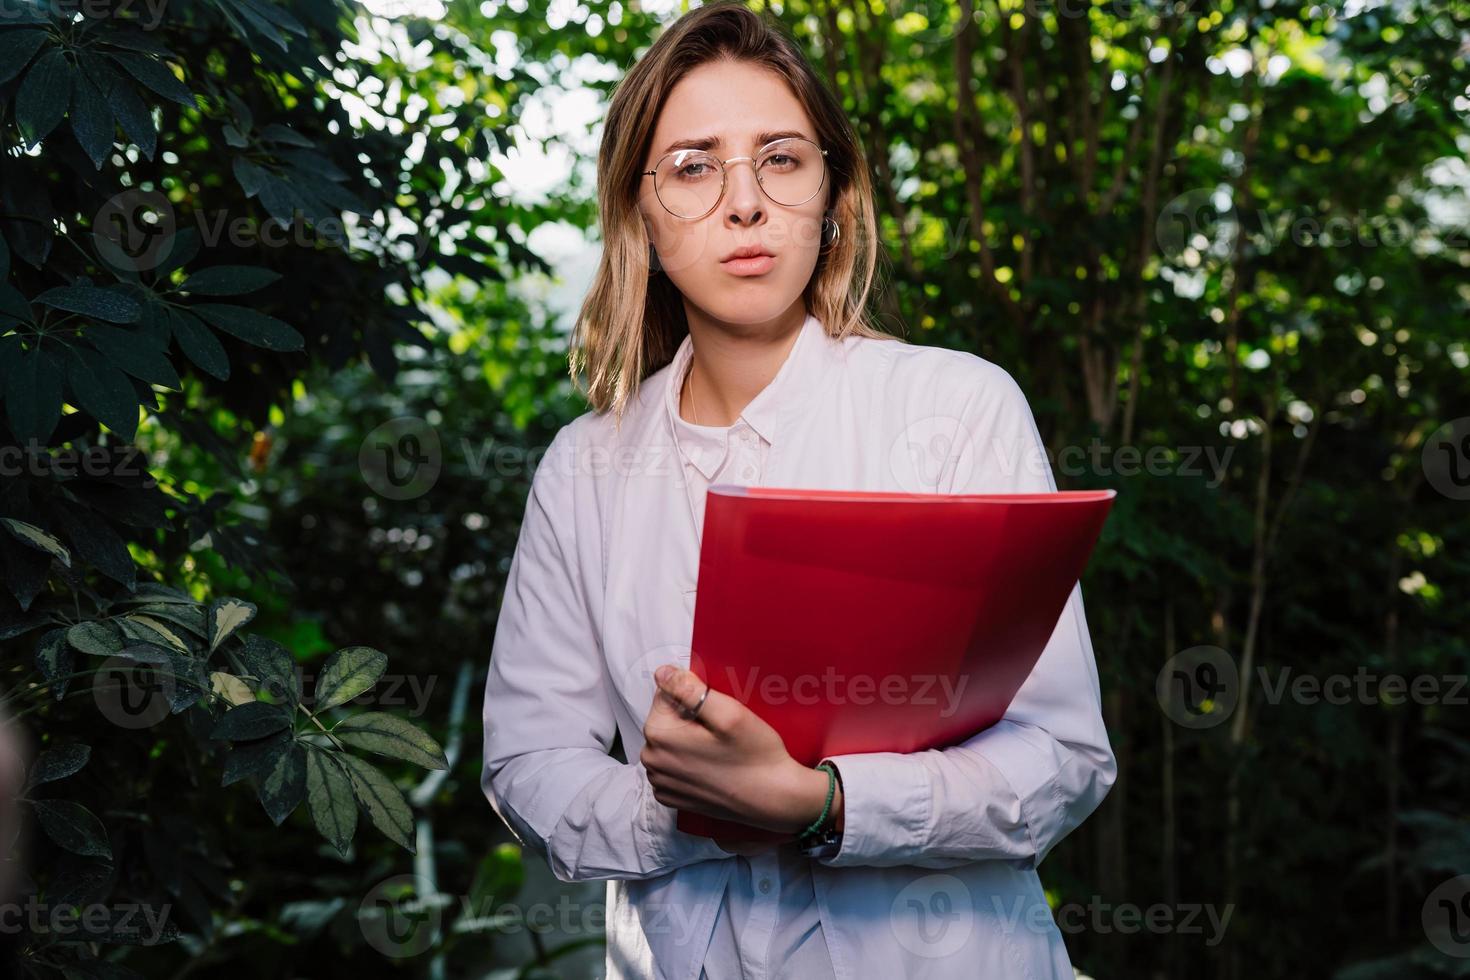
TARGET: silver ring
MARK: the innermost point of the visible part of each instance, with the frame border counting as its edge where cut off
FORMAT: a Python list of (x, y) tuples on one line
[(694, 711)]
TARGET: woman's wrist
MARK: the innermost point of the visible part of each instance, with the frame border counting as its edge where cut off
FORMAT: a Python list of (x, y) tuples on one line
[(806, 794)]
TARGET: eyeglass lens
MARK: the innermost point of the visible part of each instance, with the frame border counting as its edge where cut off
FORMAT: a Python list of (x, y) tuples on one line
[(688, 182)]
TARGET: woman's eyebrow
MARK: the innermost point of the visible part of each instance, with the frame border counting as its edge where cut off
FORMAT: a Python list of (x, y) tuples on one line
[(710, 142)]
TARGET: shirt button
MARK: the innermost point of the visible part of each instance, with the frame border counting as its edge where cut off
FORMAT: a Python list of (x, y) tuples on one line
[(765, 885), (748, 473)]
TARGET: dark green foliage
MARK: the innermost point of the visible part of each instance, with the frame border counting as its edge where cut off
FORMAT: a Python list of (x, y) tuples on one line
[(200, 232), (199, 225)]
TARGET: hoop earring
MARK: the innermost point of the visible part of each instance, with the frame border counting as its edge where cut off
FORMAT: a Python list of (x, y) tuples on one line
[(653, 264), (827, 243)]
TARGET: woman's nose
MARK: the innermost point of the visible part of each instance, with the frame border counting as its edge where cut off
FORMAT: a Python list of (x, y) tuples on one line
[(743, 192)]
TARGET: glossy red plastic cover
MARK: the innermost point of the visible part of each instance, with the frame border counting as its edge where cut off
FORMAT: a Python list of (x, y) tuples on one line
[(880, 621)]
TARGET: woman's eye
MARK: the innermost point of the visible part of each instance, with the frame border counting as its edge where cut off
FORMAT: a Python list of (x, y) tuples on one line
[(688, 169)]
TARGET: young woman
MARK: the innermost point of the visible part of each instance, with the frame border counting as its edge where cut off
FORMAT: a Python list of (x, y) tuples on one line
[(725, 340)]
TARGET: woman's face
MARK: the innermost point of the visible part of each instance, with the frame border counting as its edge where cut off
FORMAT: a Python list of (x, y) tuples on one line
[(734, 104)]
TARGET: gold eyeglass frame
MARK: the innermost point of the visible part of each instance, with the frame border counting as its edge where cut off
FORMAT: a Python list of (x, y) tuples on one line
[(725, 176)]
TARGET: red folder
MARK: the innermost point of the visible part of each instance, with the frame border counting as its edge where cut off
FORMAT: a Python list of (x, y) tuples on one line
[(879, 621)]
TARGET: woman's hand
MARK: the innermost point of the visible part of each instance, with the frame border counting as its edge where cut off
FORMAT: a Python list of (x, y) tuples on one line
[(725, 762)]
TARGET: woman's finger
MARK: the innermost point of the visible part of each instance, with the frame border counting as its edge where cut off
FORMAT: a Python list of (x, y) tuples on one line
[(682, 690)]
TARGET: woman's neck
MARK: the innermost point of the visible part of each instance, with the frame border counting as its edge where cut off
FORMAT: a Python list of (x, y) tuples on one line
[(733, 364)]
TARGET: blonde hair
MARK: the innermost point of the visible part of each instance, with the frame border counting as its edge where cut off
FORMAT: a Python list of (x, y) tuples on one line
[(631, 323)]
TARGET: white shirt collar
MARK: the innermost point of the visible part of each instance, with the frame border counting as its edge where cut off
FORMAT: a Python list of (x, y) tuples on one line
[(706, 445)]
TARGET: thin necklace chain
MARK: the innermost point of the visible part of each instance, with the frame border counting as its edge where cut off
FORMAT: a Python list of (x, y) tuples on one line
[(689, 386)]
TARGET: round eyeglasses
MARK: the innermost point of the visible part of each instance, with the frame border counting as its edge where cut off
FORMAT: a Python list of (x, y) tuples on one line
[(690, 183)]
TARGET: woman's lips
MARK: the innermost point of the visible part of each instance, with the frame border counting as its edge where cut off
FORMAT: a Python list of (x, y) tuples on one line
[(755, 265)]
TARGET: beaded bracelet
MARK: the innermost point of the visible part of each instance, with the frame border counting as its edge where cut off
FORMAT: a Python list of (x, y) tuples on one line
[(816, 826)]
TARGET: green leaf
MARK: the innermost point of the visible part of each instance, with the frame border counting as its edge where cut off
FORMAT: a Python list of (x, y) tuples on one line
[(183, 676), (37, 538), (27, 12), (104, 304), (26, 574), (15, 626), (226, 615), (77, 881), (261, 25), (131, 112), (143, 651), (125, 350), (348, 673), (91, 121), (33, 395), (254, 328), (25, 198), (276, 15), (153, 321), (102, 391), (277, 133), (240, 108), (184, 248), (58, 763), (95, 542), (391, 736), (44, 95), (94, 639), (229, 280), (333, 195), (199, 343), (251, 758), (331, 800), (251, 177), (157, 592), (231, 688), (311, 162), (283, 201), (385, 805), (134, 40), (273, 669), (157, 76), (13, 306), (145, 629), (55, 660), (188, 616), (284, 785), (73, 827), (255, 719), (16, 49)]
